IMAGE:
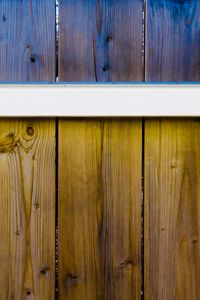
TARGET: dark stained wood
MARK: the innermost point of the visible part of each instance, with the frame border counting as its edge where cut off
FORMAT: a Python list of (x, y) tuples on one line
[(100, 40), (100, 209), (172, 40), (27, 40), (172, 210)]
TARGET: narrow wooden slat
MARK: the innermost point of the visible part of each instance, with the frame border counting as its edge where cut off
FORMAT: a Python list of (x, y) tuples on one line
[(121, 216), (172, 165), (80, 201), (27, 157), (172, 210), (27, 201), (27, 40), (99, 209), (100, 161), (100, 40), (172, 40)]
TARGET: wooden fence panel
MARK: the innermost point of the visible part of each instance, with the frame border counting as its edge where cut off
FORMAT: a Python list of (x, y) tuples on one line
[(27, 200), (172, 165), (27, 157), (99, 242), (100, 209), (27, 43), (172, 209), (172, 40), (100, 40)]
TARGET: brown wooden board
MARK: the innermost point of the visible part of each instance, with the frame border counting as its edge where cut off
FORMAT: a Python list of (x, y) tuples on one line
[(100, 209), (27, 209), (27, 156), (100, 161), (171, 159), (172, 211)]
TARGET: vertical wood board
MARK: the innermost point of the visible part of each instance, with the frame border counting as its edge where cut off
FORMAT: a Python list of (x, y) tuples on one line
[(27, 209), (27, 40), (100, 40), (27, 156), (172, 40), (172, 211), (100, 258), (99, 209)]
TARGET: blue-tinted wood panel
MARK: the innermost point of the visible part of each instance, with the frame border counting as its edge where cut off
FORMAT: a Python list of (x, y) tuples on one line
[(100, 40), (27, 40), (172, 40)]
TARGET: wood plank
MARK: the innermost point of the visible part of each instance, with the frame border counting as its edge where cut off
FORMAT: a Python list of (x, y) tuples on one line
[(100, 40), (121, 223), (99, 241), (27, 156), (172, 40), (99, 209), (27, 43), (27, 209), (172, 210)]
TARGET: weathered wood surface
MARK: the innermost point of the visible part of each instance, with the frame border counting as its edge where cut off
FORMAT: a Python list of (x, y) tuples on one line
[(100, 167), (27, 157), (100, 209), (172, 40), (172, 162), (27, 209), (100, 40), (172, 210), (27, 40)]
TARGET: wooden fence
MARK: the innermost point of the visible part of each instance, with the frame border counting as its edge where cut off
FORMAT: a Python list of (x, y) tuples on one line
[(123, 192)]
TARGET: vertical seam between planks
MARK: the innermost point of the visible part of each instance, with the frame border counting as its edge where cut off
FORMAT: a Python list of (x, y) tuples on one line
[(144, 13), (142, 208), (57, 37), (56, 162), (144, 38), (56, 214)]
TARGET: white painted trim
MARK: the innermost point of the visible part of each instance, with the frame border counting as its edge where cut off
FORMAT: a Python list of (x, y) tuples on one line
[(100, 100)]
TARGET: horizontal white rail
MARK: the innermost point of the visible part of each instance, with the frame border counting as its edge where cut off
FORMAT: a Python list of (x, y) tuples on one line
[(99, 100)]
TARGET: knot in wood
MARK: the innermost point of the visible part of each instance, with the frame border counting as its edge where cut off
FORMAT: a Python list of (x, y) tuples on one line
[(30, 131), (32, 58), (44, 271), (127, 264), (28, 292), (72, 279), (173, 164), (108, 39), (11, 134)]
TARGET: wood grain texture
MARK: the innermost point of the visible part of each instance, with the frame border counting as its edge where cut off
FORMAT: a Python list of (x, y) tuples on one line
[(100, 161), (27, 209), (99, 209), (27, 40), (100, 40), (172, 40), (27, 157), (172, 210)]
